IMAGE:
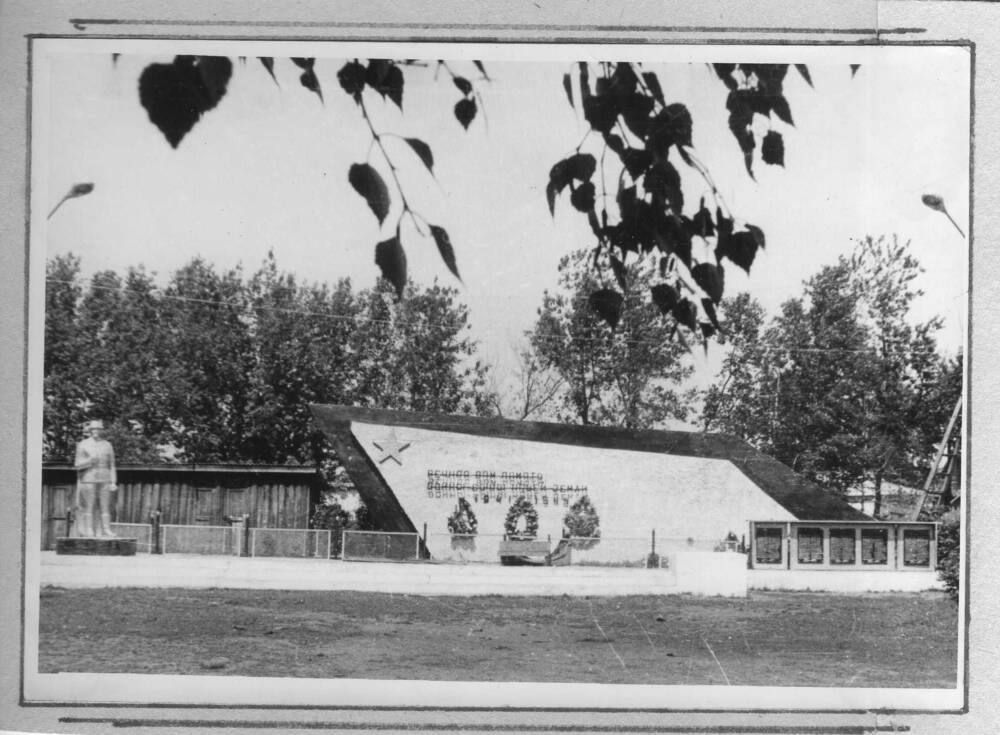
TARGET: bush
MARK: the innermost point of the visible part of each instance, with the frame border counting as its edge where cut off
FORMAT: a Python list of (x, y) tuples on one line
[(949, 540), (335, 519)]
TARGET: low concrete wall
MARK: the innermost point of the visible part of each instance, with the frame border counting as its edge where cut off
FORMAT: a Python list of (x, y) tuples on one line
[(688, 573), (843, 580), (710, 572)]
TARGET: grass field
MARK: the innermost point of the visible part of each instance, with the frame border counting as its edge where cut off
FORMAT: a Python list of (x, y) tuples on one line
[(768, 639)]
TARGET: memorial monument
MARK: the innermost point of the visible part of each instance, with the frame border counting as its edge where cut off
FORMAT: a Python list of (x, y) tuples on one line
[(95, 487)]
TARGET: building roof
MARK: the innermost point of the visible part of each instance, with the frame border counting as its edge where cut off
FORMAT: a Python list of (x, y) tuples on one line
[(802, 498)]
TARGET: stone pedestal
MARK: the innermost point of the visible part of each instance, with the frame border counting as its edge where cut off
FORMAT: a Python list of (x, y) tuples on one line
[(96, 546)]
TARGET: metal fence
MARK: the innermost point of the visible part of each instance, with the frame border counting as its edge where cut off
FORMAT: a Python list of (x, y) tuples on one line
[(380, 545), (290, 542), (141, 532), (201, 539)]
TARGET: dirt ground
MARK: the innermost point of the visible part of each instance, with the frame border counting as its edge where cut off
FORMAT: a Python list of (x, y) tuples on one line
[(768, 639)]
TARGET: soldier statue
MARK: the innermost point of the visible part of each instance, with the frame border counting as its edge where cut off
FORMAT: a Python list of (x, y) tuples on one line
[(96, 482)]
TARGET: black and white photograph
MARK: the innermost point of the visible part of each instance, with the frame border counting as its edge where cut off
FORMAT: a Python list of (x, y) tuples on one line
[(460, 374)]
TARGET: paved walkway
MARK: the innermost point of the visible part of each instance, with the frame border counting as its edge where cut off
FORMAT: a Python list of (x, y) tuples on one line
[(202, 572)]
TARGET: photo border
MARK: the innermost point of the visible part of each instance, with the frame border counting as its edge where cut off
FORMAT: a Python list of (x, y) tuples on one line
[(479, 39)]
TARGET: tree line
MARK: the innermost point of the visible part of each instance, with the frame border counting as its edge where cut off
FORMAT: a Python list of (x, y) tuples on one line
[(220, 366), (841, 384)]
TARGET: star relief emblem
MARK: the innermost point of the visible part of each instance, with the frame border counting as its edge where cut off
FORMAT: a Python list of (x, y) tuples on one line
[(390, 447)]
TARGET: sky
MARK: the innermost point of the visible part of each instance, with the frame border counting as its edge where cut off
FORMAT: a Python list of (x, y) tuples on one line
[(267, 169)]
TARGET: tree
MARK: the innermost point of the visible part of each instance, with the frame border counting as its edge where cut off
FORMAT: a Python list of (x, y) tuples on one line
[(636, 138), (531, 391), (64, 399), (203, 323), (628, 376), (843, 385)]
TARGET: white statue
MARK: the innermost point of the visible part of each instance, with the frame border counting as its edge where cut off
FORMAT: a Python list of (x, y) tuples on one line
[(96, 481)]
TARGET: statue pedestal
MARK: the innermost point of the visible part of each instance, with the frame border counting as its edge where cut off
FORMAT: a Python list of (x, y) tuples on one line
[(96, 546)]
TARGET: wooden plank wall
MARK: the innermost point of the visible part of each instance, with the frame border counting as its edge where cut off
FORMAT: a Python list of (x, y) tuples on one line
[(189, 497)]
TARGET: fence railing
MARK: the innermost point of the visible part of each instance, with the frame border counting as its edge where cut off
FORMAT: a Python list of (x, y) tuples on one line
[(176, 539), (380, 545), (141, 532), (290, 542)]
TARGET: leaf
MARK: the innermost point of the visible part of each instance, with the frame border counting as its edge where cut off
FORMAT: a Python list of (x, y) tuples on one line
[(583, 197), (268, 63), (615, 143), (686, 313), (581, 166), (653, 84), (423, 151), (463, 84), (618, 268), (725, 73), (584, 80), (854, 69), (804, 71), (780, 107), (740, 248), (709, 308), (369, 184), (740, 118), (707, 330), (310, 81), (933, 201), (303, 63), (80, 190), (352, 79), (550, 195), (465, 111), (637, 161), (665, 297), (608, 305), (757, 234), (445, 248), (636, 109), (176, 95), (711, 279), (392, 85), (702, 224), (375, 73), (601, 111), (482, 69), (391, 260), (559, 178), (772, 149), (568, 86), (673, 235), (671, 126), (663, 181)]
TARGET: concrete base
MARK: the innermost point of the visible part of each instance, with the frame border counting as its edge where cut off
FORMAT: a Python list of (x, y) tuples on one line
[(93, 546), (803, 580), (204, 572)]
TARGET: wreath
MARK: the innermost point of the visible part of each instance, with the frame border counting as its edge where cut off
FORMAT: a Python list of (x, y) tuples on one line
[(582, 524), (463, 521), (521, 507)]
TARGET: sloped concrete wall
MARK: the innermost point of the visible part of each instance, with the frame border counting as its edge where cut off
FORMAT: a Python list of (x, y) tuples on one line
[(634, 493)]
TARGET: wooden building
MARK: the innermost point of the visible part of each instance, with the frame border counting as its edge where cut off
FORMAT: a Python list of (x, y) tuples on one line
[(196, 495)]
